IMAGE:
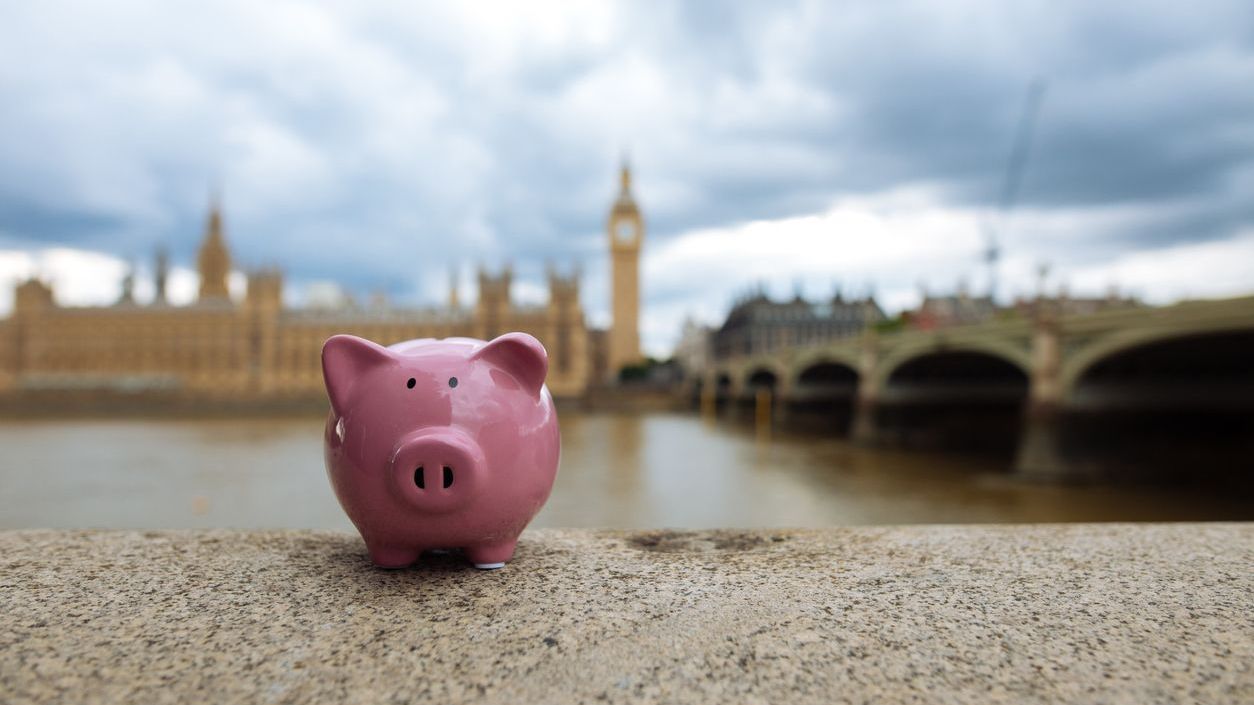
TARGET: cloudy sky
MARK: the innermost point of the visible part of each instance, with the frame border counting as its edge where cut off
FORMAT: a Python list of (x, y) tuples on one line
[(803, 146)]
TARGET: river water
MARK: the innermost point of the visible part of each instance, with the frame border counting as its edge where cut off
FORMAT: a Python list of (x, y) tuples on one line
[(627, 471)]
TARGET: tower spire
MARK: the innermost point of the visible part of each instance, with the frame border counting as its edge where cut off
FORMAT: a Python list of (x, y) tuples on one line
[(454, 299), (128, 286), (214, 260), (624, 177), (161, 273)]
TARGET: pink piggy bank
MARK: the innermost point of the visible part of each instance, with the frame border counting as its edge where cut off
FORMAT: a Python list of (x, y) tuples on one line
[(440, 444)]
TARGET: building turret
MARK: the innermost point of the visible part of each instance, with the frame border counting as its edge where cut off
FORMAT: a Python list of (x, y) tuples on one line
[(563, 288), (214, 260), (263, 302), (127, 297), (454, 299), (265, 290), (161, 274), (493, 307), (32, 296), (565, 335)]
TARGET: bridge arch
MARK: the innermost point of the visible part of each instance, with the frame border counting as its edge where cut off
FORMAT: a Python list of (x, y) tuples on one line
[(894, 361), (1083, 361), (824, 377), (810, 358), (763, 372), (825, 371), (759, 378), (959, 397), (823, 394), (1164, 407)]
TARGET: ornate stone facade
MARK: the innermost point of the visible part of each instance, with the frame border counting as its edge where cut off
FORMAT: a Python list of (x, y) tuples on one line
[(258, 348), (757, 325)]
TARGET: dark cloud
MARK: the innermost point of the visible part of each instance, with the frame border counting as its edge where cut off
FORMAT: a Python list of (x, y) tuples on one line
[(42, 222), (375, 149)]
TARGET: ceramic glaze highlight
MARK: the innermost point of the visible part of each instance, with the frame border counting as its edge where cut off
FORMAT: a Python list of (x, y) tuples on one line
[(440, 444)]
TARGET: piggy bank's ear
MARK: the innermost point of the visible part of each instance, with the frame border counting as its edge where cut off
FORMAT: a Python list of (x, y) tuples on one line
[(344, 359), (519, 354)]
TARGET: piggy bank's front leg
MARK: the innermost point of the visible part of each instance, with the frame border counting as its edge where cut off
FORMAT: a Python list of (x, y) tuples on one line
[(392, 557), (491, 556)]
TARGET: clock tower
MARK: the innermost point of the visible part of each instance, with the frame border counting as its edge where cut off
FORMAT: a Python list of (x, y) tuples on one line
[(626, 233)]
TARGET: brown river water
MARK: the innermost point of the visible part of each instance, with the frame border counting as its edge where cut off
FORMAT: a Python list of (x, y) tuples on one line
[(626, 471)]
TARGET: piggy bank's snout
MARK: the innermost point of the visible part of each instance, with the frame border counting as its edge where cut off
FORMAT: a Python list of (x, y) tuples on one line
[(437, 471)]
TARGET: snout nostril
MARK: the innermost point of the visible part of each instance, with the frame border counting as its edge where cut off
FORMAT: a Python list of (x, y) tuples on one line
[(419, 479), (448, 477)]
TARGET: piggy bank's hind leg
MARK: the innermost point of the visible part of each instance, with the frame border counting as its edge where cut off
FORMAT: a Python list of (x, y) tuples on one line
[(392, 557), (491, 556)]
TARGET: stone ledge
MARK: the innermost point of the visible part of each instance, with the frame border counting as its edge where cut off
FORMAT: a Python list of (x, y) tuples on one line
[(1046, 613)]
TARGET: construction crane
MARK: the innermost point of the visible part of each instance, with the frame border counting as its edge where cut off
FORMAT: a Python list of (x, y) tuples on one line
[(1019, 152)]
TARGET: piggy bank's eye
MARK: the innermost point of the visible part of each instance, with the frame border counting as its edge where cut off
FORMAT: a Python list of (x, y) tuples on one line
[(452, 381), (411, 383)]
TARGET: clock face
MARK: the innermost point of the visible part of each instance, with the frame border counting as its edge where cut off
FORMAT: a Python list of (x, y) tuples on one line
[(626, 231)]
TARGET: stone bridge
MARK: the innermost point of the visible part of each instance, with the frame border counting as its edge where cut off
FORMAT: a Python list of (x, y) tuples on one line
[(1021, 374)]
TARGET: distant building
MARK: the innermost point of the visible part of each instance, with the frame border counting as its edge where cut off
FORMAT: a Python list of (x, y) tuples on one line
[(957, 309), (757, 324), (963, 309), (1064, 304), (692, 352), (258, 348)]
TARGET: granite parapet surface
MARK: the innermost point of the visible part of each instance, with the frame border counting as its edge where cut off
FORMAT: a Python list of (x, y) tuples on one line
[(1044, 613)]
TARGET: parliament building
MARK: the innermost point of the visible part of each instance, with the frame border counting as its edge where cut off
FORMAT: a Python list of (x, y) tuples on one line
[(259, 349)]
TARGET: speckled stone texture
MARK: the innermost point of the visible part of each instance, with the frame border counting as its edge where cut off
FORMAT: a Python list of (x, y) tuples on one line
[(1063, 613)]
